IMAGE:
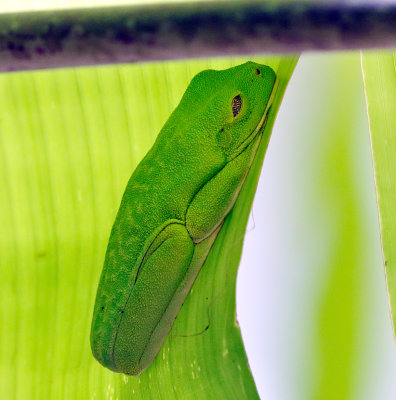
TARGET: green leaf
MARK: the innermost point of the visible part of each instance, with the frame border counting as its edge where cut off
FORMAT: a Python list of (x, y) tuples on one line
[(379, 71), (69, 140)]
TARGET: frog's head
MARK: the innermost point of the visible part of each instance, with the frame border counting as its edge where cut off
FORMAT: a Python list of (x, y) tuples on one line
[(244, 99), (231, 105)]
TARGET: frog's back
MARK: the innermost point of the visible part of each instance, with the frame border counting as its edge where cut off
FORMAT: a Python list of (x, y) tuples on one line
[(157, 193)]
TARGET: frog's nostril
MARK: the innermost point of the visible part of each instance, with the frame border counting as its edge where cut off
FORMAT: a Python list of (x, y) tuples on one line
[(258, 71)]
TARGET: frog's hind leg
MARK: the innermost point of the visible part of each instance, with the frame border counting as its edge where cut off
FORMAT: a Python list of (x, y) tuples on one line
[(150, 310), (162, 329)]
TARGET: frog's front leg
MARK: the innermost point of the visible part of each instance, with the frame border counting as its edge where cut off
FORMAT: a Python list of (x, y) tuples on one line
[(215, 199)]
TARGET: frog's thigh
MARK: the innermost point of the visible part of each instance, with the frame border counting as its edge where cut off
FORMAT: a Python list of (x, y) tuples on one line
[(213, 202), (147, 308)]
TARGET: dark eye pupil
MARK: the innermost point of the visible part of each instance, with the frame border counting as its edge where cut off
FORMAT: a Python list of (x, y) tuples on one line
[(236, 105)]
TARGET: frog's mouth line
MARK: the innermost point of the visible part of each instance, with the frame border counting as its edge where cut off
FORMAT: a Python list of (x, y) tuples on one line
[(261, 124)]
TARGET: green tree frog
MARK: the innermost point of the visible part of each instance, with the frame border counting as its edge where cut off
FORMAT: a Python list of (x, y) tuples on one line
[(172, 210)]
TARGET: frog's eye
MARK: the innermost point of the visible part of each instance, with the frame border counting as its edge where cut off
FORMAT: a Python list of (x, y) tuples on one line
[(236, 105)]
